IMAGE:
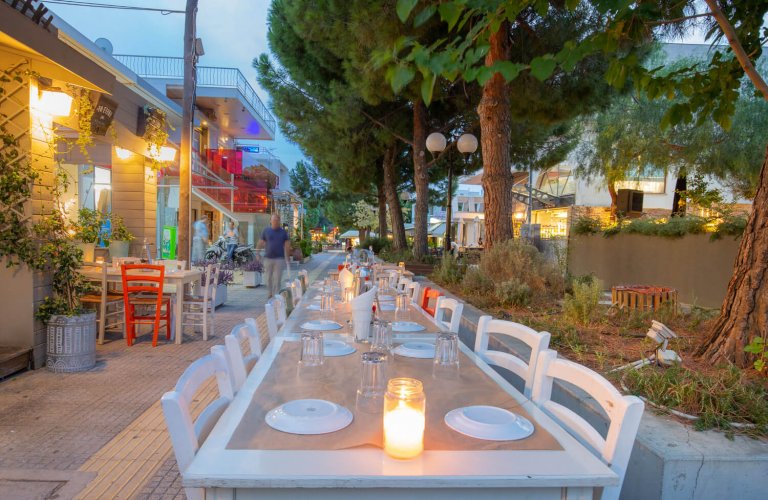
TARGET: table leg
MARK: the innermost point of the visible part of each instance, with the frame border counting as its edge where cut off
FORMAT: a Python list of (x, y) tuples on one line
[(179, 307)]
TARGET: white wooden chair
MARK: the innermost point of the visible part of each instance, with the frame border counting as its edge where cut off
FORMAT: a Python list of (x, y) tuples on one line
[(537, 341), (304, 277), (456, 308), (413, 289), (394, 278), (280, 307), (200, 310), (239, 363), (402, 284), (624, 412), (271, 309), (187, 435), (296, 291), (107, 304)]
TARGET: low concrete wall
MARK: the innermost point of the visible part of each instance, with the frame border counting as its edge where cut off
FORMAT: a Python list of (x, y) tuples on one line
[(670, 460), (696, 266)]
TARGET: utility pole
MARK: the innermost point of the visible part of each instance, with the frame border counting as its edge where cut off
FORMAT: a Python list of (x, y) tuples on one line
[(187, 122)]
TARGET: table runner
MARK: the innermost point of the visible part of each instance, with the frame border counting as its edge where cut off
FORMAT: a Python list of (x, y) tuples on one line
[(337, 381)]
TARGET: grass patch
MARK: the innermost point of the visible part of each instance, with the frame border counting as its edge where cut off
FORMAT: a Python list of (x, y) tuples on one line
[(717, 399)]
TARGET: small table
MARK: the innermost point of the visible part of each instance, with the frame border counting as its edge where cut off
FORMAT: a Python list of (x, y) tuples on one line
[(177, 278)]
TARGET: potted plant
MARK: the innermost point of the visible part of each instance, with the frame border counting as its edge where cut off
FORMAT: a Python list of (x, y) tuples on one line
[(87, 230), (226, 277), (252, 273), (71, 331), (120, 238)]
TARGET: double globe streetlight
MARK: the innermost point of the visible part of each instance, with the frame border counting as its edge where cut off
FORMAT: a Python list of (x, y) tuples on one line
[(466, 144)]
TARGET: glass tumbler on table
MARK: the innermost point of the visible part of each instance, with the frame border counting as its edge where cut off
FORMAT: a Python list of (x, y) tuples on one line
[(446, 362), (382, 336), (373, 382), (312, 349), (402, 307)]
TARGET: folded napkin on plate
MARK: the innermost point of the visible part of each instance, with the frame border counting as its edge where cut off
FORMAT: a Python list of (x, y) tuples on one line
[(362, 311), (346, 278)]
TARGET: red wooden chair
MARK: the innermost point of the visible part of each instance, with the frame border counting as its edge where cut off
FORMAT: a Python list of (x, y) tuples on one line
[(143, 287), (429, 294)]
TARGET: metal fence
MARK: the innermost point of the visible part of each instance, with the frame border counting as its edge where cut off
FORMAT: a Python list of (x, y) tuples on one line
[(207, 76)]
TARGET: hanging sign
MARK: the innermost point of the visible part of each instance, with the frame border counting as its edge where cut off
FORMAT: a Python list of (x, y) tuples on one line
[(103, 114)]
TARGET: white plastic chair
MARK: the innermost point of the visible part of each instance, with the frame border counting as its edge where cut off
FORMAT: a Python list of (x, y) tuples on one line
[(413, 289), (187, 435), (456, 308), (240, 364), (271, 309), (537, 341), (624, 412), (201, 309)]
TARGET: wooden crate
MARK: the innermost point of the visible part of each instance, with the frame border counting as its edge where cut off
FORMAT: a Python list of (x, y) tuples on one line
[(643, 297)]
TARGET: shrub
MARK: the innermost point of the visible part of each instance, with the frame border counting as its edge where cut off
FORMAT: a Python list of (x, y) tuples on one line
[(586, 225), (449, 271), (378, 244), (513, 293), (581, 306), (306, 247), (731, 225), (476, 283)]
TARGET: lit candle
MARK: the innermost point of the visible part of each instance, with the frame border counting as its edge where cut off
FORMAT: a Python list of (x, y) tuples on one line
[(99, 260), (404, 422)]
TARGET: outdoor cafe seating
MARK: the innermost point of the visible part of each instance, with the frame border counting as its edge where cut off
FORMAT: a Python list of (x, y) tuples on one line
[(331, 407)]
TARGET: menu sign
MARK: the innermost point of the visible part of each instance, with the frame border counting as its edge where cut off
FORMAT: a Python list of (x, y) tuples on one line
[(103, 114)]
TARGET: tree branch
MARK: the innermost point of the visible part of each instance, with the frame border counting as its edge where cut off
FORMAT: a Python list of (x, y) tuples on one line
[(738, 49), (680, 19), (385, 127)]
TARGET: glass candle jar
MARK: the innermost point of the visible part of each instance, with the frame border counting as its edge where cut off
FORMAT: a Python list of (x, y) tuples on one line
[(404, 418)]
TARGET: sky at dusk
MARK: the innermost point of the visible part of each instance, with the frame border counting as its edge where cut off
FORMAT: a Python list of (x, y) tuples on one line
[(233, 33)]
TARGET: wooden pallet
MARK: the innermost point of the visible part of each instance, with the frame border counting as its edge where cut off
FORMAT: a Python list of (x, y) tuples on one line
[(13, 360), (643, 297)]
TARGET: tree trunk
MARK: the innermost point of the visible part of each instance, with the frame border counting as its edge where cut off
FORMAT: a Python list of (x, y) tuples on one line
[(494, 135), (393, 200), (420, 179), (614, 200), (382, 198), (678, 201), (744, 314)]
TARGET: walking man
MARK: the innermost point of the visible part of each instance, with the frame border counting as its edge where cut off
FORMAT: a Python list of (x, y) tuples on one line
[(277, 246)]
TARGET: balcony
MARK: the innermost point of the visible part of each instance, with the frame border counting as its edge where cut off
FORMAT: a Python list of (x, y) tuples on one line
[(214, 86)]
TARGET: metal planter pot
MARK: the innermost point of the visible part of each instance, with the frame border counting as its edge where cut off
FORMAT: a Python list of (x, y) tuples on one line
[(251, 279), (221, 295), (89, 249), (119, 248), (71, 343)]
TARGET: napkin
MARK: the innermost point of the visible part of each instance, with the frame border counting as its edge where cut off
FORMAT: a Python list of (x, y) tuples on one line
[(346, 278), (362, 311)]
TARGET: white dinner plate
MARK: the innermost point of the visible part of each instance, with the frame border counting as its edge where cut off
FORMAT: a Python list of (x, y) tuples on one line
[(387, 306), (337, 348), (489, 423), (407, 327), (420, 350), (321, 325), (313, 307), (309, 416)]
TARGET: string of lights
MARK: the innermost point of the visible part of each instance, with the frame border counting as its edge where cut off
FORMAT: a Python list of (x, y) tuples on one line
[(80, 3)]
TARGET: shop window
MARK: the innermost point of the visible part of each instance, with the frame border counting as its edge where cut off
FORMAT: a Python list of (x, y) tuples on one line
[(95, 187), (651, 180), (479, 207), (557, 181), (460, 206)]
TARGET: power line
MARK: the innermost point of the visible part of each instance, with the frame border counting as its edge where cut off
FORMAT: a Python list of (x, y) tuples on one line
[(79, 3)]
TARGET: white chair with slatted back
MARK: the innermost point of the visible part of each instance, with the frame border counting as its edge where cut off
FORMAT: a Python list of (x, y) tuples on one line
[(187, 435), (271, 309), (413, 289), (239, 363), (537, 341), (201, 309), (456, 308), (280, 307), (624, 412), (394, 278)]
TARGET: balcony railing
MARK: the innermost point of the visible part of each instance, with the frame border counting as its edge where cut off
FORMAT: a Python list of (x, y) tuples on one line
[(207, 76)]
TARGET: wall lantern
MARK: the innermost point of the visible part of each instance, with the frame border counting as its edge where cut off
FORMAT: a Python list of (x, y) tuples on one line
[(166, 153), (52, 101)]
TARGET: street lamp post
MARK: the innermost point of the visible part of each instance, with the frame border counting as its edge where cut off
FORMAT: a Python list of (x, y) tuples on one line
[(467, 144)]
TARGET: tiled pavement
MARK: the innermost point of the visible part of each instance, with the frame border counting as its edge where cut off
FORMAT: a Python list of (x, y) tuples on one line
[(52, 425)]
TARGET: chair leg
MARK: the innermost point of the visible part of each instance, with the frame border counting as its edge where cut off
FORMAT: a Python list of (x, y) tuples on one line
[(205, 321), (168, 318)]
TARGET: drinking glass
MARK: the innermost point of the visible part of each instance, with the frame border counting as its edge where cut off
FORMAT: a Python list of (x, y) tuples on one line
[(373, 382), (402, 307), (447, 350), (382, 336), (312, 349)]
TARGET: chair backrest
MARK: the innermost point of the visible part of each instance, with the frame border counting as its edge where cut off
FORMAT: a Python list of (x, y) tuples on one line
[(140, 278), (281, 308), (211, 281), (273, 320), (429, 294), (286, 294), (304, 277), (239, 363), (297, 291), (457, 309), (402, 283), (394, 277), (624, 412), (537, 341), (413, 289), (187, 435)]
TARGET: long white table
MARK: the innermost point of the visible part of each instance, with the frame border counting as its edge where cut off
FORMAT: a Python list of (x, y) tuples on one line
[(177, 278), (572, 472)]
